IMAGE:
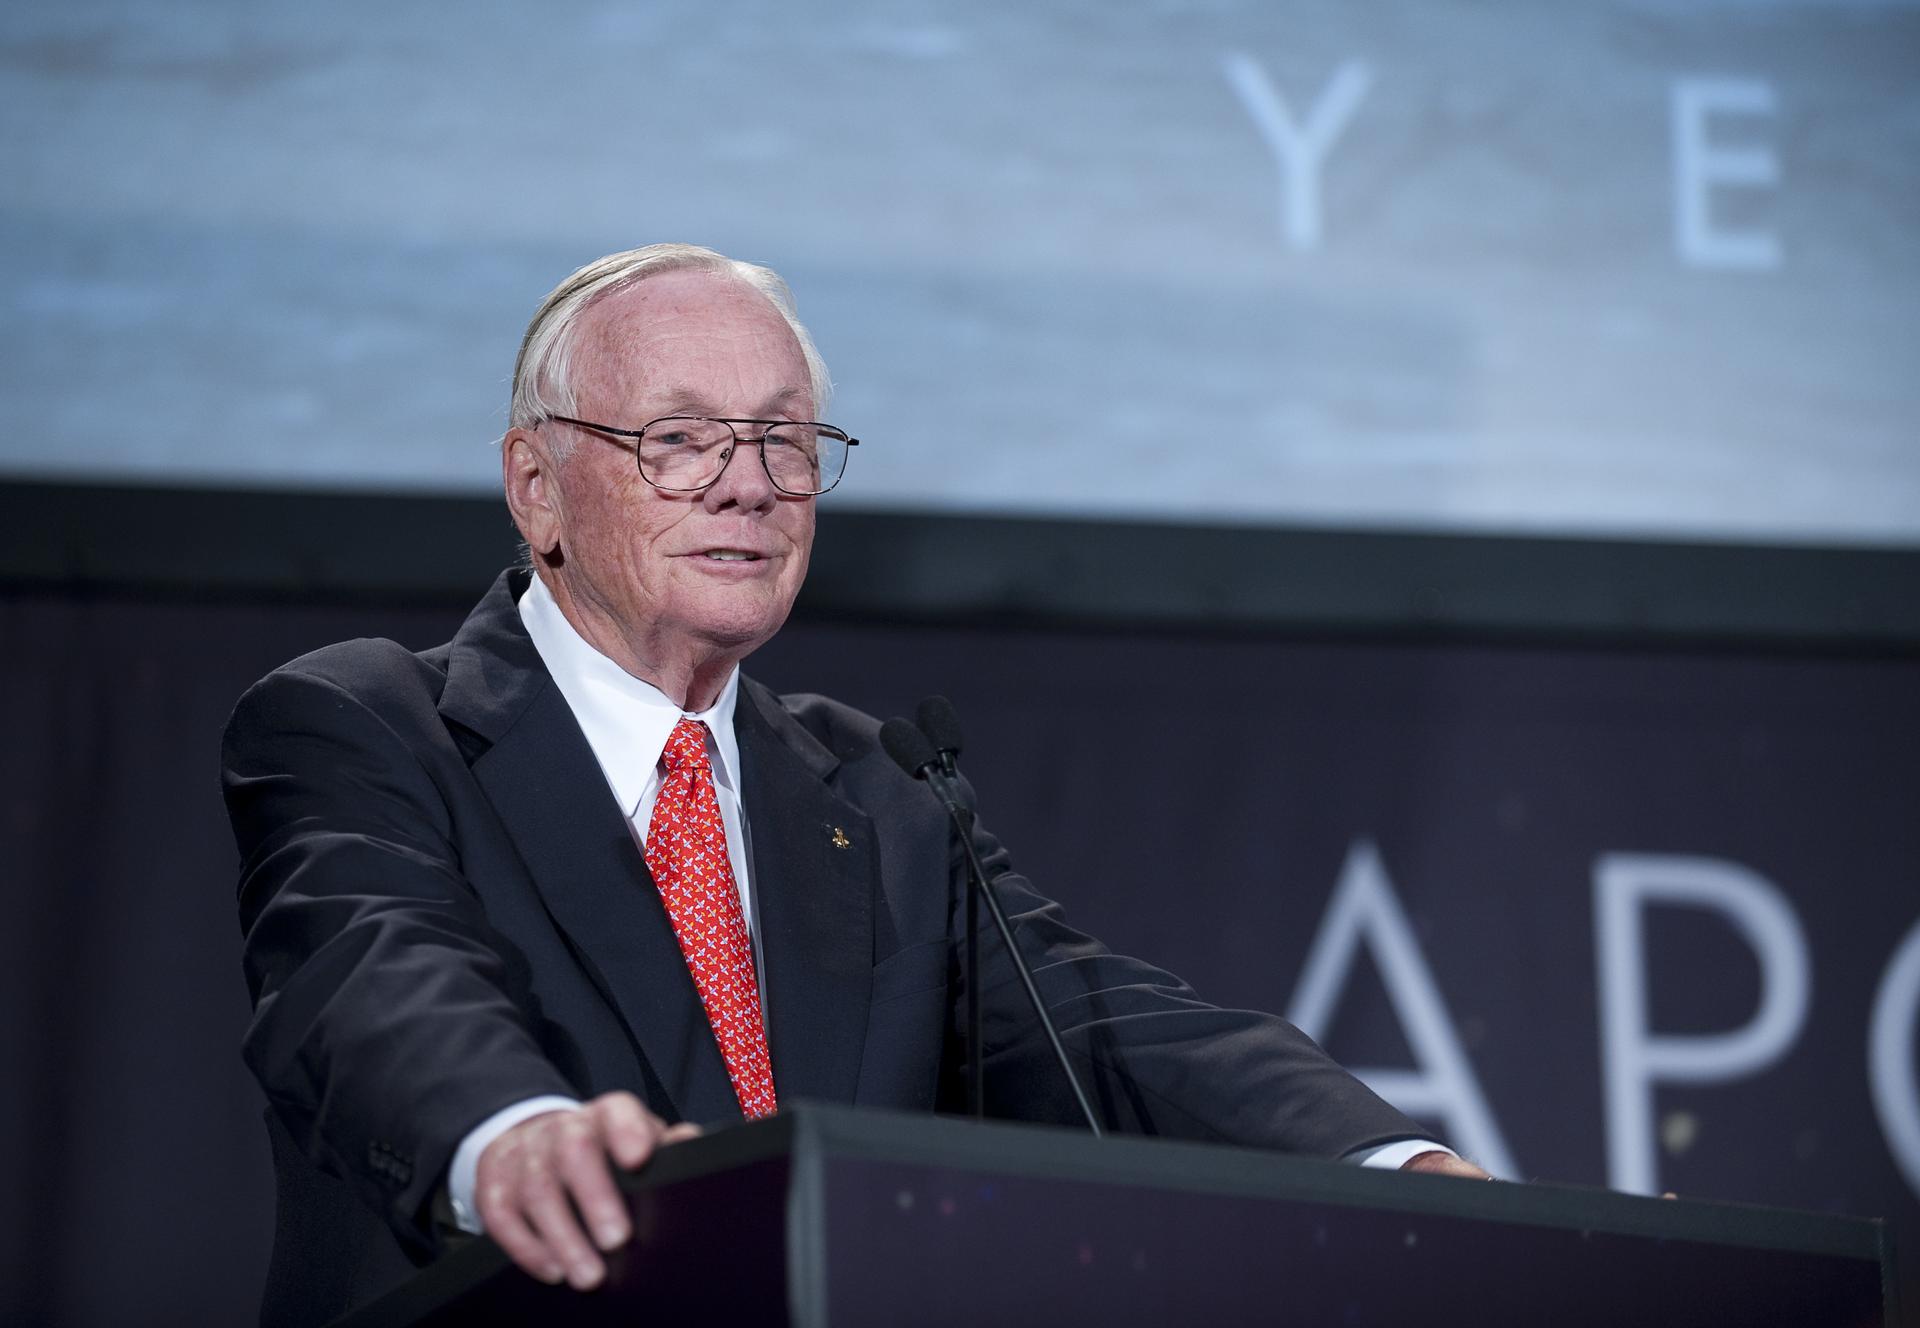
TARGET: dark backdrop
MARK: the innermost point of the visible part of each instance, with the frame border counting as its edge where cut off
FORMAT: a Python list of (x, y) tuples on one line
[(1192, 792)]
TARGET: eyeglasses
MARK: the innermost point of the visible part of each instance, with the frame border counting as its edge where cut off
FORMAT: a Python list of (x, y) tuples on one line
[(686, 453)]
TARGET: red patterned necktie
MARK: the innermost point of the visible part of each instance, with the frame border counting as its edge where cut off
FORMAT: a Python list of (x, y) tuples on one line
[(687, 854)]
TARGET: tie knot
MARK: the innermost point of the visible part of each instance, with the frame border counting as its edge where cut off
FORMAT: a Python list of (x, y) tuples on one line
[(686, 747)]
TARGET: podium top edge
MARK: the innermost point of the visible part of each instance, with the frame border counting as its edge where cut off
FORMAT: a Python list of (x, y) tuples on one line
[(821, 1134)]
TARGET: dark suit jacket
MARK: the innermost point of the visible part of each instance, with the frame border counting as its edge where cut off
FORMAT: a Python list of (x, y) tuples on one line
[(445, 913)]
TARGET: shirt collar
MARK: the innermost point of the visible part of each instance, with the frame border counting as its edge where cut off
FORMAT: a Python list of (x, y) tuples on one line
[(627, 721)]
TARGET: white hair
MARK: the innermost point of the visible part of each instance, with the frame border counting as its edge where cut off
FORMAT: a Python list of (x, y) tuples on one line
[(542, 375)]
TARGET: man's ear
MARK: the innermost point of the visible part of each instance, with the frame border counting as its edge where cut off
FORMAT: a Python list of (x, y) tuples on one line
[(532, 496)]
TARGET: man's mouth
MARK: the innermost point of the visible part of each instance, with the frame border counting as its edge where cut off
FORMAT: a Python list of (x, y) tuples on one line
[(731, 556)]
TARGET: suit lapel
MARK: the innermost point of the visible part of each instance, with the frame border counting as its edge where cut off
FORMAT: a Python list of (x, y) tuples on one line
[(544, 782), (815, 868)]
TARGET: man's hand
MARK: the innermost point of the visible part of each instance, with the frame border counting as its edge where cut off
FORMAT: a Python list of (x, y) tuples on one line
[(535, 1183), (1444, 1164)]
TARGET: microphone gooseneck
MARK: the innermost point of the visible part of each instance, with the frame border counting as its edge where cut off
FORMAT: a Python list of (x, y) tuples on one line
[(929, 755)]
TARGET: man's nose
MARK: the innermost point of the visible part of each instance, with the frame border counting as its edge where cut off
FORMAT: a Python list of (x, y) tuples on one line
[(743, 480)]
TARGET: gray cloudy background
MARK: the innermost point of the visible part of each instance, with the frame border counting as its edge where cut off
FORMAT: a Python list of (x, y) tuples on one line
[(1040, 244)]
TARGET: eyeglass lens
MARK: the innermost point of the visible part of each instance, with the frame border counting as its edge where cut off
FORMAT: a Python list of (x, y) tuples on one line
[(691, 453)]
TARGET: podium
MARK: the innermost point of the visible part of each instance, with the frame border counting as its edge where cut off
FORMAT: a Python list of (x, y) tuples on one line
[(831, 1215)]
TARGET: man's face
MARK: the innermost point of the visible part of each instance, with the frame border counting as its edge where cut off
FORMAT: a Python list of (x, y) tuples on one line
[(679, 579)]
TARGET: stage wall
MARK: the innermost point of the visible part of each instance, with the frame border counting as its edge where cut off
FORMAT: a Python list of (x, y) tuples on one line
[(1462, 864)]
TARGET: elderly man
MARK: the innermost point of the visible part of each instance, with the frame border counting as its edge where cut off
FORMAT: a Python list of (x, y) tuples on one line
[(531, 904)]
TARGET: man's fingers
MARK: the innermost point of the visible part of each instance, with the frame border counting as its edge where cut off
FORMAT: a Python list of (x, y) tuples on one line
[(553, 1219), (523, 1191), (630, 1130), (499, 1194), (582, 1163), (522, 1244), (539, 1182), (1439, 1163)]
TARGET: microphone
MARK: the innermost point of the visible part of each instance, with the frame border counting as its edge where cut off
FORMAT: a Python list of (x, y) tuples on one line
[(929, 755), (942, 726), (914, 752), (909, 747), (926, 750)]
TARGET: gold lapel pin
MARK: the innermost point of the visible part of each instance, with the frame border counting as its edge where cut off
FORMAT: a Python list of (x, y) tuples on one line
[(840, 839)]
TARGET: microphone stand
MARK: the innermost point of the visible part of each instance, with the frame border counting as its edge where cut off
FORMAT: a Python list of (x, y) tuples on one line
[(907, 748), (976, 1069)]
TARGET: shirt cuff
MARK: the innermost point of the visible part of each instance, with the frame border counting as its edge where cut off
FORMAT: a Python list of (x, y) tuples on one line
[(1393, 1156), (466, 1158)]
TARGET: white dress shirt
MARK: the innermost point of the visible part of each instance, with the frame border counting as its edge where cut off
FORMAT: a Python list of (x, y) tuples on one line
[(627, 723)]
